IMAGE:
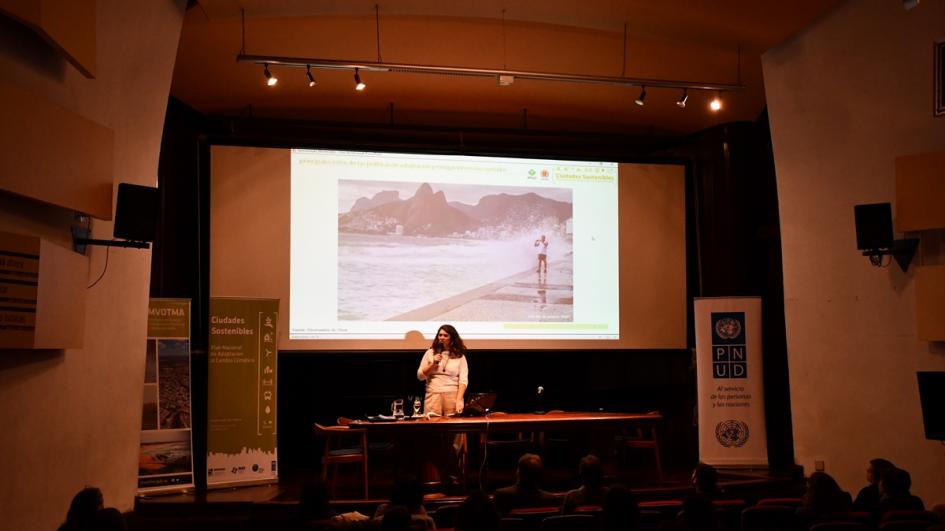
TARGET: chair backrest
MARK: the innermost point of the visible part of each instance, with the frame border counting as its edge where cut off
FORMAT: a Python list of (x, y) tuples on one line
[(925, 516), (568, 522), (445, 516), (768, 518), (512, 524), (840, 526), (534, 512), (905, 525), (787, 502)]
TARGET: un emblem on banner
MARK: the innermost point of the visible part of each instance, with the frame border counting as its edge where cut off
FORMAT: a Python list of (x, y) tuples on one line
[(731, 433), (728, 328), (729, 347)]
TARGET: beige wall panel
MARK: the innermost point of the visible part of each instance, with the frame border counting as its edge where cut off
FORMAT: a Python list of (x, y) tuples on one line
[(68, 25), (920, 192), (54, 155), (73, 417), (930, 302), (851, 328)]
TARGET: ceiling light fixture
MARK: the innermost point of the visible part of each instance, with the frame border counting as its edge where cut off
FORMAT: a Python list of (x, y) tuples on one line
[(681, 102), (358, 84), (641, 99), (271, 80), (308, 74), (505, 77), (716, 103)]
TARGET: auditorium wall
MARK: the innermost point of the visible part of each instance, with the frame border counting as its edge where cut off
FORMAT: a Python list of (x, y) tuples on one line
[(847, 96), (72, 418)]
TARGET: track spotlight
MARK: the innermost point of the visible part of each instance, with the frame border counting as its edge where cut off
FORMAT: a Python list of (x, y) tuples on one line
[(716, 103), (681, 102), (641, 99), (308, 74), (271, 80), (358, 84)]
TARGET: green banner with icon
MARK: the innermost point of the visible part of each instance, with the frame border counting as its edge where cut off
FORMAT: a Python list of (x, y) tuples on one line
[(241, 391), (165, 459)]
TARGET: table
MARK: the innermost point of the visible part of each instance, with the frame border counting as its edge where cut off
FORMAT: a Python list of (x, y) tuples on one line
[(640, 429)]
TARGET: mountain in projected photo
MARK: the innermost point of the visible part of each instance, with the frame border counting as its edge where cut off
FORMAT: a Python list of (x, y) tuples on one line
[(431, 214)]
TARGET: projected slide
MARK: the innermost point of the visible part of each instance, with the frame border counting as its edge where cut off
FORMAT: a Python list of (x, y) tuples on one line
[(384, 244)]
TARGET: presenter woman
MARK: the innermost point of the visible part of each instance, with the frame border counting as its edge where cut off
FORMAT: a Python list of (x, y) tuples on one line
[(444, 369)]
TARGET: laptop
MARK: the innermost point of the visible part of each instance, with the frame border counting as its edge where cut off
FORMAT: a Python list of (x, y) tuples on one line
[(478, 404)]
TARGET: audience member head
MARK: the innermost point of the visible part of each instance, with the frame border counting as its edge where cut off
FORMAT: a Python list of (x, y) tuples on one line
[(85, 504), (109, 519), (895, 483), (824, 496), (407, 492), (314, 501), (620, 509), (591, 472), (698, 513), (530, 469), (705, 479), (477, 513), (396, 519), (877, 468)]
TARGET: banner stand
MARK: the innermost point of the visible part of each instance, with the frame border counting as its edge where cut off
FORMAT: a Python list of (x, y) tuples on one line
[(730, 382), (241, 392)]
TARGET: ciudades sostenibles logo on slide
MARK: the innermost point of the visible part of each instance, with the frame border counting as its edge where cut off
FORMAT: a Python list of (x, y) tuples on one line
[(729, 358)]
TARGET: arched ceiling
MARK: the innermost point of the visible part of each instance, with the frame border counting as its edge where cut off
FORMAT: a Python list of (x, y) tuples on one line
[(718, 42)]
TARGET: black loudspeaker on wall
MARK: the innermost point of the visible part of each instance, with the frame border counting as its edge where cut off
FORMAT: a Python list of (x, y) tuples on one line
[(136, 212), (136, 216), (874, 235)]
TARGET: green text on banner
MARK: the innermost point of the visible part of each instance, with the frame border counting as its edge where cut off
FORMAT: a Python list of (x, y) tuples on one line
[(730, 381), (241, 391), (165, 461)]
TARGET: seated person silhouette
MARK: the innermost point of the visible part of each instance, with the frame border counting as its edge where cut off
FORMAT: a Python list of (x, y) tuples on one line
[(894, 493), (592, 489), (867, 500), (525, 492)]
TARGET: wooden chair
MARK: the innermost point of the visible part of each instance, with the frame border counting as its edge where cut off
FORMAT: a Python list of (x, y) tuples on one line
[(342, 445), (784, 502), (645, 438)]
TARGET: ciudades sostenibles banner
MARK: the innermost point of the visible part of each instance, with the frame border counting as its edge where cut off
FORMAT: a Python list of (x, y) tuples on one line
[(241, 391), (730, 381)]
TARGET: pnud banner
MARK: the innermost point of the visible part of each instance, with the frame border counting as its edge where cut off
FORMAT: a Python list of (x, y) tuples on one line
[(730, 381), (165, 459), (241, 391)]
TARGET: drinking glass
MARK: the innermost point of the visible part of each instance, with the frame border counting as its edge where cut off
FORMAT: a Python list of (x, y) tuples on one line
[(416, 406)]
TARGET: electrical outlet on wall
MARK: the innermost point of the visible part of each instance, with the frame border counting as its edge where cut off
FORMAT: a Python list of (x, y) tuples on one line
[(819, 466)]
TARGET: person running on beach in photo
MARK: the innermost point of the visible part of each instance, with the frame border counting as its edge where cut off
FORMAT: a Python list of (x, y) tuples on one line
[(542, 245)]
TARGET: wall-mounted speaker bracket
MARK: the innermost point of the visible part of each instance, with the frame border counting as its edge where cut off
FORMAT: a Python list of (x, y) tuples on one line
[(902, 251)]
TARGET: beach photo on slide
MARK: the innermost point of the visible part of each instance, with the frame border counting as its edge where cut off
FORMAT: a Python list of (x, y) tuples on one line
[(430, 251)]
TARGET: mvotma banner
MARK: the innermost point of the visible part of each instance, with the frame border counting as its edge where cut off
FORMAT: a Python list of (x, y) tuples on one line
[(730, 382), (241, 391), (165, 460)]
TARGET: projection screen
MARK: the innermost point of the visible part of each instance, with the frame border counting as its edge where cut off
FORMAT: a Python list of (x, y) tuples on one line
[(369, 250)]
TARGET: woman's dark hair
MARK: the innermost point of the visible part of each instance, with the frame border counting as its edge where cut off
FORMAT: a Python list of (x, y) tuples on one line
[(706, 479), (477, 513), (457, 347), (84, 505), (897, 482), (620, 509), (824, 496), (407, 492)]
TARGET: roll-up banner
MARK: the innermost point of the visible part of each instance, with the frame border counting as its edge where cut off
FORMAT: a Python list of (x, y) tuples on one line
[(165, 459), (730, 382), (241, 392)]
